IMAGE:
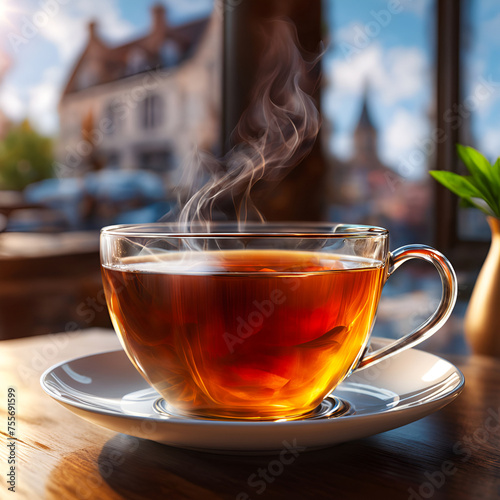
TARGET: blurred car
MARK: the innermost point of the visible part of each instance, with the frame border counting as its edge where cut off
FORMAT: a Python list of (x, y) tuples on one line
[(101, 198), (124, 185)]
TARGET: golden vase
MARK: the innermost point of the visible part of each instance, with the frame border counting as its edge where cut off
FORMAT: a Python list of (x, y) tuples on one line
[(482, 320)]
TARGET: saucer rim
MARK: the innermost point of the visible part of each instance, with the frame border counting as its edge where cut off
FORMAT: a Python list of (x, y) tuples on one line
[(450, 395)]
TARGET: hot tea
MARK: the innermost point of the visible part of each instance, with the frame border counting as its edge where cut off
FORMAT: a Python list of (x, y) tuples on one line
[(244, 332)]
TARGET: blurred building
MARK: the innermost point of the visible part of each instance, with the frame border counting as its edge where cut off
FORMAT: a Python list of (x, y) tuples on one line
[(144, 104), (363, 178)]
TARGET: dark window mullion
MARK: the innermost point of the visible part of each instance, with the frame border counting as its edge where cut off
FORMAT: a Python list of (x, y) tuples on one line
[(448, 97)]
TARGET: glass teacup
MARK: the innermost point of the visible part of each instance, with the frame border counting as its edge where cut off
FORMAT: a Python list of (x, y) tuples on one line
[(252, 321)]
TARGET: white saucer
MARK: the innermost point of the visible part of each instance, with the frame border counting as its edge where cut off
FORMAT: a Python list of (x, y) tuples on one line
[(107, 390)]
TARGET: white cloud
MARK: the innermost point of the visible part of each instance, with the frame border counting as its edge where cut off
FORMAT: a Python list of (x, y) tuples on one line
[(11, 102), (67, 28), (406, 74), (67, 34), (396, 74), (490, 143), (43, 99), (480, 99), (350, 34), (403, 141)]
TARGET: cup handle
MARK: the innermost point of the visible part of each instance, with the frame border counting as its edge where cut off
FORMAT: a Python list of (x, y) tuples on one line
[(442, 313)]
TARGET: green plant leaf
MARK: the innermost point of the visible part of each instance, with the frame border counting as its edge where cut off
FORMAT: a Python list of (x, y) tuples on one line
[(464, 187), (496, 172), (458, 184), (482, 187), (473, 159), (478, 203), (483, 175), (466, 203), (483, 206)]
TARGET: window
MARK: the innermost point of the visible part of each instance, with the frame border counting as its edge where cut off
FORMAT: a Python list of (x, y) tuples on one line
[(170, 54), (112, 160), (468, 101), (157, 161), (410, 85), (137, 61), (381, 112), (111, 123), (151, 111), (88, 75), (378, 105)]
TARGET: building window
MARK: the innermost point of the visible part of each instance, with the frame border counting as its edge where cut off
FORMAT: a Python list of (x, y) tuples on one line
[(137, 61), (156, 161), (170, 54), (111, 123), (112, 160), (88, 75), (151, 112)]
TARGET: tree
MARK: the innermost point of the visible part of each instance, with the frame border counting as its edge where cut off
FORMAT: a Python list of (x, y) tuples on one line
[(25, 157)]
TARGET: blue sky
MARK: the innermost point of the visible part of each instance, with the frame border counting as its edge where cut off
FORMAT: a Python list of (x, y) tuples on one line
[(387, 54), (391, 54)]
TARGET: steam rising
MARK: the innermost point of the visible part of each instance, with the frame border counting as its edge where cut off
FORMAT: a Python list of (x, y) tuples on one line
[(273, 135)]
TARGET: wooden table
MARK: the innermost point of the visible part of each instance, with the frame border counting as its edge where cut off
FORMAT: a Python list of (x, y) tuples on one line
[(452, 454)]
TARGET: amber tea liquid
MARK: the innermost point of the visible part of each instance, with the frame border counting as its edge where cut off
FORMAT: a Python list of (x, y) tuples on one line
[(244, 334)]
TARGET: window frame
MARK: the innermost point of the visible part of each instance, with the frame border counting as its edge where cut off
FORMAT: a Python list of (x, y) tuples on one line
[(151, 112), (450, 29)]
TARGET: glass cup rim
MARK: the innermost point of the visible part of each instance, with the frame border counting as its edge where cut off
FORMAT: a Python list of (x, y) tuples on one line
[(235, 229)]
